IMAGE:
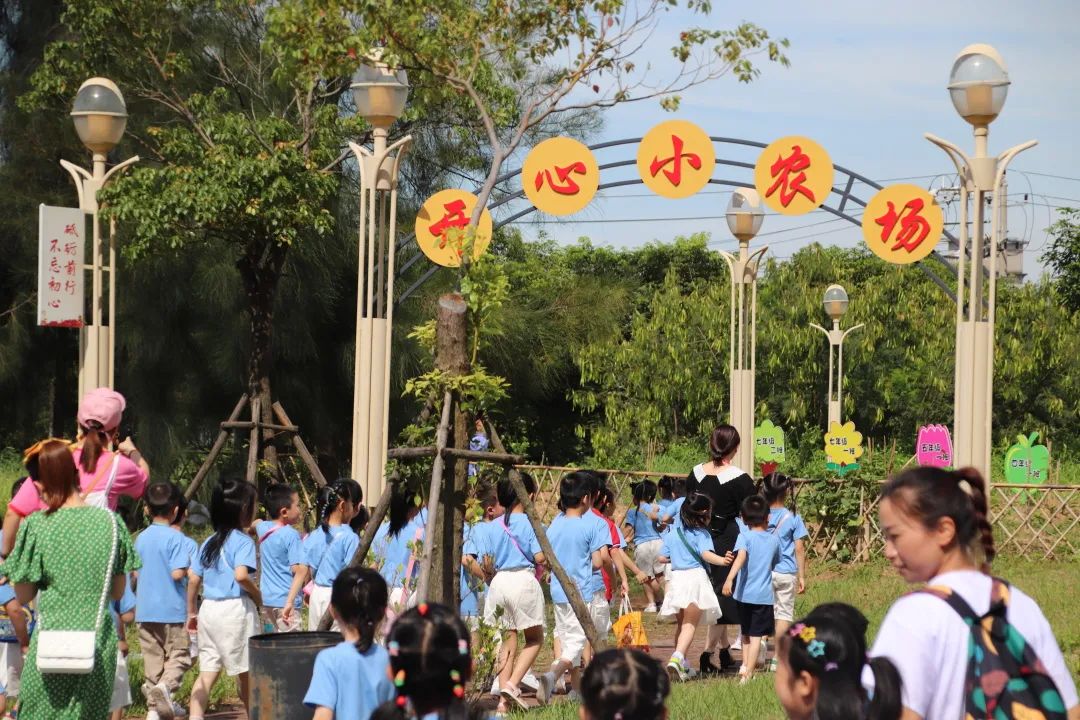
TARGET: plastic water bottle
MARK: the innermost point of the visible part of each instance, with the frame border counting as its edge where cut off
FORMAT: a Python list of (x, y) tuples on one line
[(193, 645)]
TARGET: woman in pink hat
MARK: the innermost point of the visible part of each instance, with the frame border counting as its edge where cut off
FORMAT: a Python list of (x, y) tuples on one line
[(104, 474)]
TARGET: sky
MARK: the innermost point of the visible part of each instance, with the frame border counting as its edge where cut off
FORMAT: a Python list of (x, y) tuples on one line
[(867, 80)]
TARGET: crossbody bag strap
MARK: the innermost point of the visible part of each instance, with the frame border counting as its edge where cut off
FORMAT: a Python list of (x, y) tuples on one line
[(776, 530), (100, 474), (690, 548), (506, 529), (411, 565)]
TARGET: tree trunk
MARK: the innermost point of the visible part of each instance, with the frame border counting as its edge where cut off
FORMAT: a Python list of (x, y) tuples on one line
[(451, 356), (260, 271)]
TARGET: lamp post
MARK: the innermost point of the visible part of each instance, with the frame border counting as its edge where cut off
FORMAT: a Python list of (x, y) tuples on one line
[(380, 93), (744, 217), (978, 85), (100, 116), (836, 304)]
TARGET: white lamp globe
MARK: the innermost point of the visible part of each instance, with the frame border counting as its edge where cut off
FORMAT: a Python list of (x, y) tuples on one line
[(979, 84), (379, 91), (835, 302), (744, 214), (100, 114)]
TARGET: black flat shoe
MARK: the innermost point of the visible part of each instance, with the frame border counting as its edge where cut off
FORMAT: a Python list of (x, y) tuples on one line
[(726, 661), (705, 666)]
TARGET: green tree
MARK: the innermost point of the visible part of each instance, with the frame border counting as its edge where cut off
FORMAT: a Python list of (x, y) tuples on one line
[(1062, 257)]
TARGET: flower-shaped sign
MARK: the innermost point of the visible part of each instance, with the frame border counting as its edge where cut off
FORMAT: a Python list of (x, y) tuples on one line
[(934, 447), (843, 447), (769, 449)]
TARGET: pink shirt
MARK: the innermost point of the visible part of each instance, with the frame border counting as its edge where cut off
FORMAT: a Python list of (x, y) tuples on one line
[(130, 480)]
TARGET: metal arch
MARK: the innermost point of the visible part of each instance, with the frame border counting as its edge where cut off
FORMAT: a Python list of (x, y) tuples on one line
[(845, 195)]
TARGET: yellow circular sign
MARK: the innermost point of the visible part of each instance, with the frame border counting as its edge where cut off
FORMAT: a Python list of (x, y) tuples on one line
[(441, 227), (902, 224), (794, 175), (676, 159), (560, 176)]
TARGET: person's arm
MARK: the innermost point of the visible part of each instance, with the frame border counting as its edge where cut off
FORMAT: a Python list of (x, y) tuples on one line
[(1074, 713), (628, 530), (620, 565), (597, 560), (323, 713), (118, 584), (736, 566), (800, 560), (653, 513), (663, 559), (194, 581), (178, 574), (128, 449), (630, 565), (713, 559), (299, 579), (12, 520), (473, 567), (243, 579), (18, 622)]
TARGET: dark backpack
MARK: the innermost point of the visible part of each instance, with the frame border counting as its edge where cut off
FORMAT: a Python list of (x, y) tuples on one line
[(1005, 678)]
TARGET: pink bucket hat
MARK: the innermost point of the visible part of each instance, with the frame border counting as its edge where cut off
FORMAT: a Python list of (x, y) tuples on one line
[(103, 405)]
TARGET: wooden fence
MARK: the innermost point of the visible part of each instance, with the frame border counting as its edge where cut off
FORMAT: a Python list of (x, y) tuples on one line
[(1030, 521)]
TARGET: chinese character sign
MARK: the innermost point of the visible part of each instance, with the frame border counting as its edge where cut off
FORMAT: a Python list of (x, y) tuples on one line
[(1026, 461), (769, 446), (902, 224), (843, 447), (933, 448), (560, 176), (676, 159), (60, 266), (794, 175), (441, 227)]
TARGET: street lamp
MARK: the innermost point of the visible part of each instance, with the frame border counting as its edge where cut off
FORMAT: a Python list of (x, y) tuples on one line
[(978, 86), (835, 303), (744, 216), (380, 93), (100, 116)]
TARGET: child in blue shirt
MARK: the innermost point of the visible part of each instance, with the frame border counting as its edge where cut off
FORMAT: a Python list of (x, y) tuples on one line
[(789, 575), (395, 549), (757, 553), (474, 547), (282, 570), (640, 524), (515, 589), (690, 596), (161, 599), (229, 614), (350, 679), (334, 509), (577, 541)]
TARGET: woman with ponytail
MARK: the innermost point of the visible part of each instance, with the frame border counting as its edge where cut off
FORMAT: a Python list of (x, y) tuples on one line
[(821, 662), (937, 532), (104, 473), (727, 486), (350, 679), (431, 664)]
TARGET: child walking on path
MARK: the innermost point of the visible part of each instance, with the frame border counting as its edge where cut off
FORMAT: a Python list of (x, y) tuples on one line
[(821, 660), (515, 591), (161, 600), (690, 596), (334, 509), (789, 575), (282, 571), (577, 542), (350, 680), (641, 529), (229, 615), (757, 552), (937, 532)]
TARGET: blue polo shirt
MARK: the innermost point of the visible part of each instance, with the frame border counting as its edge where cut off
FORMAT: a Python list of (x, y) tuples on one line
[(675, 550), (506, 554), (337, 557), (644, 530), (574, 540), (755, 578), (393, 552), (349, 683), (281, 548), (787, 527), (160, 598), (219, 580), (471, 586)]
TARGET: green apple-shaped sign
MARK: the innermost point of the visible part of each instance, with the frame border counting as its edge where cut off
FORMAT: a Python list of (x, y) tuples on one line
[(1026, 462), (769, 446)]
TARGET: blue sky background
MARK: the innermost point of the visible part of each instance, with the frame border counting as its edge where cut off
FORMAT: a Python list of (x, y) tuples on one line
[(867, 79)]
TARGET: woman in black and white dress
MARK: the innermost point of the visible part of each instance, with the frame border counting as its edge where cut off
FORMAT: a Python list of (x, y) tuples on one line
[(728, 486)]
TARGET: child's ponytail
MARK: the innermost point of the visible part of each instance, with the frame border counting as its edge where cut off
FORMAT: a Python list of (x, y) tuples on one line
[(359, 595), (886, 702), (232, 507), (508, 497), (326, 501)]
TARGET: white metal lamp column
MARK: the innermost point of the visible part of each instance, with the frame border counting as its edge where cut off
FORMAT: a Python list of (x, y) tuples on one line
[(836, 304)]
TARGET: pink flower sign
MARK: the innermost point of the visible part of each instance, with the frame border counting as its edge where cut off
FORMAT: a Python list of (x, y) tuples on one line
[(934, 446)]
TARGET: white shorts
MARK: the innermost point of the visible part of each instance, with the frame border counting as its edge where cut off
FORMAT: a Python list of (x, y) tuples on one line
[(121, 689), (11, 665), (645, 555), (691, 587), (518, 594), (225, 626), (318, 604), (570, 633), (783, 586), (600, 609)]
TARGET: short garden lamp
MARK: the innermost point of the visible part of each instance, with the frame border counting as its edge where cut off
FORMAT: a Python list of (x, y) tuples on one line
[(835, 304)]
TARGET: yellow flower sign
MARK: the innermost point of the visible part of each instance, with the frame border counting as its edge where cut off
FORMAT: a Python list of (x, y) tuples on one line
[(676, 159), (560, 176), (441, 227), (843, 447), (794, 175), (902, 224)]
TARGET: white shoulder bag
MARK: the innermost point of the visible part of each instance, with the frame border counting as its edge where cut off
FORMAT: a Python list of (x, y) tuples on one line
[(71, 652)]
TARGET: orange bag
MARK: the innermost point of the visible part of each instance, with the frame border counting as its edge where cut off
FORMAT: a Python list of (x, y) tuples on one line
[(629, 628)]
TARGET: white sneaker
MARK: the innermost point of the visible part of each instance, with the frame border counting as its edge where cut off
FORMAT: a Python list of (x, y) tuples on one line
[(529, 681), (157, 697), (737, 645), (152, 715), (650, 608), (546, 688), (178, 711)]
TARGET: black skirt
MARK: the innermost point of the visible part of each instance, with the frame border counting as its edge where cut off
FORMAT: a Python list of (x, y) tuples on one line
[(724, 542)]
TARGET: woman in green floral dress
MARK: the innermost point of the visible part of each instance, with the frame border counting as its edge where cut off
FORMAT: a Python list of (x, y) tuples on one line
[(61, 556)]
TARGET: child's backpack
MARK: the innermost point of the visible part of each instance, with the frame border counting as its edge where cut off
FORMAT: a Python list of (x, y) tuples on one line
[(1005, 678)]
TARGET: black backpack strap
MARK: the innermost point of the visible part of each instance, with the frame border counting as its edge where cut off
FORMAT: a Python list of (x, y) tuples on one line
[(953, 600)]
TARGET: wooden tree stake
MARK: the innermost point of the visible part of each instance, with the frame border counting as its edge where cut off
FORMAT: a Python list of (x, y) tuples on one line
[(219, 443), (437, 467)]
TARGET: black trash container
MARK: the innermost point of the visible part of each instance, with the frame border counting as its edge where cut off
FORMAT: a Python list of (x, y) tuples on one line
[(280, 668)]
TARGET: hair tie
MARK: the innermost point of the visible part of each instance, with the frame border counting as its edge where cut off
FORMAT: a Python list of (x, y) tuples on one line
[(965, 486), (402, 701), (399, 679), (422, 608), (463, 646), (829, 666), (392, 647), (459, 690)]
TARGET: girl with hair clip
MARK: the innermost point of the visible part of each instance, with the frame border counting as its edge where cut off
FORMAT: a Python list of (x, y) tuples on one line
[(229, 615), (690, 597), (333, 510), (351, 679), (624, 685), (430, 665), (822, 659), (640, 528), (937, 532), (396, 546)]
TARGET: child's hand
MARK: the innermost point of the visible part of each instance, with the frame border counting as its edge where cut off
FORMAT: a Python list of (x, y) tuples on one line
[(729, 557), (193, 623), (286, 613), (625, 587), (641, 577), (726, 592), (802, 585)]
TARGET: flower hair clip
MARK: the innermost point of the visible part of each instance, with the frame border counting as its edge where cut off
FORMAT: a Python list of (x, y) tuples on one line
[(463, 646), (803, 631), (393, 648), (815, 648), (399, 679)]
